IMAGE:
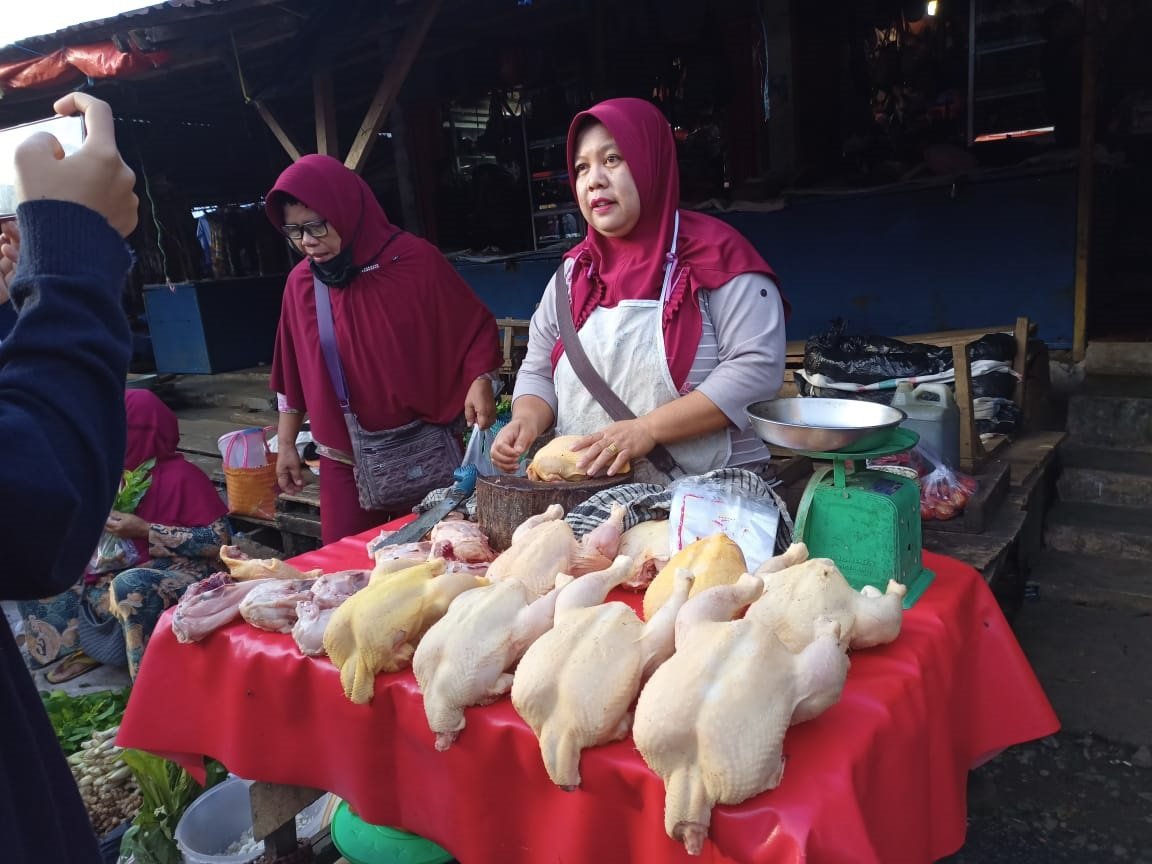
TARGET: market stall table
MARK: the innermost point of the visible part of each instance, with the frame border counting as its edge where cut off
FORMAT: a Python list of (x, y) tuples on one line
[(879, 777)]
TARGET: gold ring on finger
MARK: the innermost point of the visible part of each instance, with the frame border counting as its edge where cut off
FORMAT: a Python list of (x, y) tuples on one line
[(612, 448)]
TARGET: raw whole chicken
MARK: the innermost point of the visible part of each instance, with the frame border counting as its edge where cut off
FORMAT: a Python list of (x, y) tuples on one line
[(556, 461), (796, 596), (715, 560), (647, 545), (272, 604), (711, 720), (464, 657), (208, 605), (377, 629), (311, 622), (460, 540), (576, 683), (241, 567), (332, 589), (544, 546)]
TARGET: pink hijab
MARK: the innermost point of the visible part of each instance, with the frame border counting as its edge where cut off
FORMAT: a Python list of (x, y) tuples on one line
[(411, 333), (181, 494), (608, 270)]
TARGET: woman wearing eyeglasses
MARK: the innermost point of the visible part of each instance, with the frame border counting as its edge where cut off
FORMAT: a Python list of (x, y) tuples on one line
[(410, 348)]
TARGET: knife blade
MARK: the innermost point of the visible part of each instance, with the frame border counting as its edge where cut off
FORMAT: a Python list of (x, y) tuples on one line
[(415, 530)]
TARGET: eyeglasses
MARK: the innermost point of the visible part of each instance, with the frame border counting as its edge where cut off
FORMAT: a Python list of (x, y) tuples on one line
[(312, 229)]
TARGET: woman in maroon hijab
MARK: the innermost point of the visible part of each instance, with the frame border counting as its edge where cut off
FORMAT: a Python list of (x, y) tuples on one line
[(176, 530), (676, 311), (413, 341)]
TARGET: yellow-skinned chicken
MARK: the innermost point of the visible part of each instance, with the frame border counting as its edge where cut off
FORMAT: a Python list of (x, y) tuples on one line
[(378, 628), (715, 560)]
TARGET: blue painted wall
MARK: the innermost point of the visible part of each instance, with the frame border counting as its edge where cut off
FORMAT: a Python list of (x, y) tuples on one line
[(893, 262)]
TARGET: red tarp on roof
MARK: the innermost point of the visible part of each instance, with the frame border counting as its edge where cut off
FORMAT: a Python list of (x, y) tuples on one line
[(101, 60)]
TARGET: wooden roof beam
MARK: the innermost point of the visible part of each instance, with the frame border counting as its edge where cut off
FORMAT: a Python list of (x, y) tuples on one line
[(283, 137), (390, 84), (324, 107)]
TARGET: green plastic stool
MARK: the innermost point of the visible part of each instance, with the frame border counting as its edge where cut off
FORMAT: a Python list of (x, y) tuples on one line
[(362, 843)]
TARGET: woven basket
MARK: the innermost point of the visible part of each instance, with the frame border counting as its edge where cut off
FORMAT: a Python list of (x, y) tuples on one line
[(253, 491)]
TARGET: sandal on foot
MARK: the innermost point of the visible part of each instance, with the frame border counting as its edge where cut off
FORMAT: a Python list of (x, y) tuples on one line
[(71, 667)]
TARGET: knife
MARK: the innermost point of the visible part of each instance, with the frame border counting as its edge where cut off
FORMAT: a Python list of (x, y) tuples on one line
[(414, 531)]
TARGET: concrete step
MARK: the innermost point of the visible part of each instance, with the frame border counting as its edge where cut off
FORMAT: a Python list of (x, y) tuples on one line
[(1118, 358), (1093, 580), (1102, 475), (1112, 411), (1100, 529)]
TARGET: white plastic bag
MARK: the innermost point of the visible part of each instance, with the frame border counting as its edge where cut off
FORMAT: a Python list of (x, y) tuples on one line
[(244, 448), (479, 449), (701, 509)]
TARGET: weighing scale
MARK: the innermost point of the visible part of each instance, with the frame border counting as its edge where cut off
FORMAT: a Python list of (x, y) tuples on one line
[(865, 520)]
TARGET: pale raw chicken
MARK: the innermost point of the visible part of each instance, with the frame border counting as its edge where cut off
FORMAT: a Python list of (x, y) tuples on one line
[(464, 657), (378, 628), (460, 540), (794, 597), (714, 560), (272, 605), (332, 589), (241, 567), (311, 622), (711, 720), (577, 682), (556, 461), (647, 545), (208, 605), (414, 552), (606, 537), (543, 547)]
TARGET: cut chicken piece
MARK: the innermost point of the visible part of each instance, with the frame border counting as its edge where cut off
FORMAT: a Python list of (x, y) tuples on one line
[(647, 545), (460, 540), (332, 589), (208, 605), (378, 629), (464, 657), (241, 567), (311, 622), (272, 604)]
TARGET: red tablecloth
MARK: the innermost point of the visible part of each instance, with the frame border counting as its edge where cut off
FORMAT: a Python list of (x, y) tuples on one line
[(879, 777)]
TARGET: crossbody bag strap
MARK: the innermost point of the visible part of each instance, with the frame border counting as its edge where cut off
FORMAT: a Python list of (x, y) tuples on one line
[(328, 343), (593, 382)]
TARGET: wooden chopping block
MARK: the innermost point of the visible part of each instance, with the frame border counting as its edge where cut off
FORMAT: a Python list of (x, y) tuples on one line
[(503, 502)]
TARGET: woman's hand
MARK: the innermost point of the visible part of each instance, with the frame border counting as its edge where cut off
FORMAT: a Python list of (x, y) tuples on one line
[(613, 447), (126, 525), (480, 404), (288, 474), (512, 442)]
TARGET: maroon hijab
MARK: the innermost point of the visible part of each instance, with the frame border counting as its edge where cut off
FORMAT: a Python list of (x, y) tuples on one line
[(412, 336), (181, 494), (608, 270)]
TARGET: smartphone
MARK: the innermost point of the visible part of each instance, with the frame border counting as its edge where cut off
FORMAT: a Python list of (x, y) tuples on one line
[(69, 131)]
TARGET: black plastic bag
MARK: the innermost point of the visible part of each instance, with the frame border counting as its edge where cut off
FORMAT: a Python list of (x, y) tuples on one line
[(867, 360)]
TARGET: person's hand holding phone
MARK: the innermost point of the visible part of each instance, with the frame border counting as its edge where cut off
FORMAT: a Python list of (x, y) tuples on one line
[(9, 251), (94, 176)]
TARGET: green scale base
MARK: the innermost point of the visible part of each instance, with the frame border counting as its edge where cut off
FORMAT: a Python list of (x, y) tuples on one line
[(867, 521)]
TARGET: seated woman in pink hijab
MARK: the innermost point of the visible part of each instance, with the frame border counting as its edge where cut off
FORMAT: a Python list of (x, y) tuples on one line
[(177, 531), (675, 310)]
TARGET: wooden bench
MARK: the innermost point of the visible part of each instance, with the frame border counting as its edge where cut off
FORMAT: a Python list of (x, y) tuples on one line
[(973, 452), (513, 335)]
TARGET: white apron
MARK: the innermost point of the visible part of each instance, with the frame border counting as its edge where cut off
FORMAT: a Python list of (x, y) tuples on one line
[(625, 345)]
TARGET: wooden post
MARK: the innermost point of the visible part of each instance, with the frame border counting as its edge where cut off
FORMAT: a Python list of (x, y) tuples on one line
[(971, 447), (1085, 184), (324, 107), (1020, 363), (390, 85), (285, 140)]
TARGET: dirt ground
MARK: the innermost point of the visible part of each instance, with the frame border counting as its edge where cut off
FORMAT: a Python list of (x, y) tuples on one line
[(1067, 798)]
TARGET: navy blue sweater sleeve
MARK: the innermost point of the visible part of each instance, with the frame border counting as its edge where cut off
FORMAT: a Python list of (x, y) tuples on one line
[(62, 370)]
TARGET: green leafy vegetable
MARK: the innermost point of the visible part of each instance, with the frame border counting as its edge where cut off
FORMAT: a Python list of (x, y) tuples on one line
[(133, 485), (75, 718), (166, 790)]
